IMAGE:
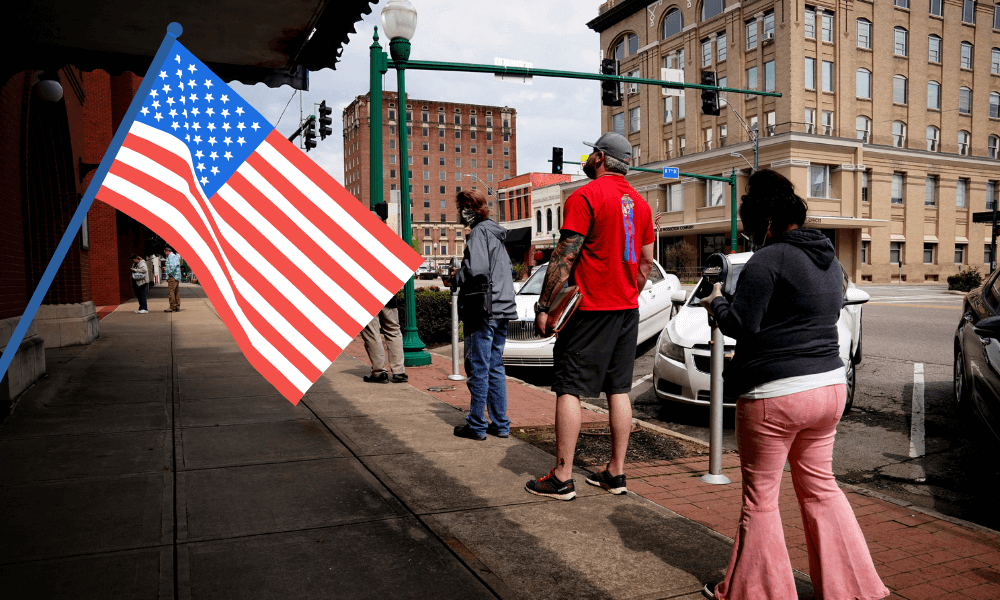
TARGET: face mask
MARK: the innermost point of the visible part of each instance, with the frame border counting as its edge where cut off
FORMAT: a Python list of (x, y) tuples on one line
[(468, 217)]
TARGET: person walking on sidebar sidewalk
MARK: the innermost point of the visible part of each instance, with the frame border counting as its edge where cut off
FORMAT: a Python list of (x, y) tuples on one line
[(140, 282), (791, 384), (486, 298), (172, 271)]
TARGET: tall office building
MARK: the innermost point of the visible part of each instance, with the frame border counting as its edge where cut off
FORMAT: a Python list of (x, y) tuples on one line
[(888, 121), (451, 147)]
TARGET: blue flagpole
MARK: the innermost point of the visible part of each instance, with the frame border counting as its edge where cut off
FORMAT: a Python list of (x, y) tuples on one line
[(174, 31)]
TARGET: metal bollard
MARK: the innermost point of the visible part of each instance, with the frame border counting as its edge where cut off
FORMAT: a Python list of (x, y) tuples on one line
[(714, 474), (455, 376)]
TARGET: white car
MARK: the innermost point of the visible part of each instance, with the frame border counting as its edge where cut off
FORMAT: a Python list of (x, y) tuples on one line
[(524, 348), (426, 271), (682, 363)]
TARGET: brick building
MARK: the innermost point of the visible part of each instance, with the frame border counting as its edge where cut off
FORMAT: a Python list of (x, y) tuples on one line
[(892, 171), (524, 214), (452, 146)]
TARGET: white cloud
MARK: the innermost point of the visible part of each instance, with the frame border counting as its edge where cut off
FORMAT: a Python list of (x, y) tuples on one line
[(549, 34)]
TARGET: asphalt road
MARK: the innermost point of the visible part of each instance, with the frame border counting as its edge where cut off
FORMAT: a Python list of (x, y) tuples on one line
[(907, 337)]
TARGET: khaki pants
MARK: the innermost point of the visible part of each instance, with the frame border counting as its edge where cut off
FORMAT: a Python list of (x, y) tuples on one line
[(386, 323), (173, 293)]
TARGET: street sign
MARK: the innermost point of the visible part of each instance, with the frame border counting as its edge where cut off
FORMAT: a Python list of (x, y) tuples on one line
[(671, 173), (982, 217), (673, 76), (507, 62)]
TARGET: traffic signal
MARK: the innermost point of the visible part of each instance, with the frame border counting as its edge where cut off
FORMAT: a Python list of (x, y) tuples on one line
[(611, 93), (310, 134), (709, 98), (557, 161), (381, 209), (325, 120)]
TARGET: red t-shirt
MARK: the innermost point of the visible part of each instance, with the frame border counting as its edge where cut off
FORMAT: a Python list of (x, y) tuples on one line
[(620, 225)]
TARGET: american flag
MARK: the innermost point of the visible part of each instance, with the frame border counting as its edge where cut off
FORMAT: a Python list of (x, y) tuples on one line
[(293, 263), (656, 221)]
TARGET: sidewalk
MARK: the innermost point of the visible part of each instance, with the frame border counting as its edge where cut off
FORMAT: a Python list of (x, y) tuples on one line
[(156, 463)]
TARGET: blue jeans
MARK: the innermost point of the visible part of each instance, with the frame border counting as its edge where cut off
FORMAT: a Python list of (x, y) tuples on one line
[(485, 374)]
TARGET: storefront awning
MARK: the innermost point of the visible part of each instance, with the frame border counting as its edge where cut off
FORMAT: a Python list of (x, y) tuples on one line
[(518, 237), (252, 41)]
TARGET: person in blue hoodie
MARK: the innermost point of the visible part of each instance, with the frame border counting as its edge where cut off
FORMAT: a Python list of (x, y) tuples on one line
[(791, 384), (486, 301)]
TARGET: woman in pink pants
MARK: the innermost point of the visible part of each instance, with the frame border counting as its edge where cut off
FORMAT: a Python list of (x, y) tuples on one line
[(790, 380)]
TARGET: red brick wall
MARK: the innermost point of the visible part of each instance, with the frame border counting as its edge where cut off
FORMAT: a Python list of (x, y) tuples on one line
[(13, 292)]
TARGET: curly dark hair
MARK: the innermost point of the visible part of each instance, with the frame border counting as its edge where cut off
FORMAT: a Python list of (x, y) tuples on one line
[(771, 199), (476, 200)]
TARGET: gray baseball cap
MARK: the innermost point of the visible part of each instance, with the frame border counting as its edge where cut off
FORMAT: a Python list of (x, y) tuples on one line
[(613, 144)]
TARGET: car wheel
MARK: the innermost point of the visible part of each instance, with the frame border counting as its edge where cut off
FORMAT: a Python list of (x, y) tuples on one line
[(961, 381), (857, 351), (851, 380)]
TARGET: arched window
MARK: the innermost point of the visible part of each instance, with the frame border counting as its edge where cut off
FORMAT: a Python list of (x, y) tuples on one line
[(995, 105), (933, 138), (933, 49), (548, 219), (864, 84), (901, 41), (934, 95), (864, 34), (538, 221), (898, 89), (898, 134), (964, 140), (626, 46), (864, 127), (710, 8), (993, 144), (558, 217), (673, 23), (964, 101), (966, 55)]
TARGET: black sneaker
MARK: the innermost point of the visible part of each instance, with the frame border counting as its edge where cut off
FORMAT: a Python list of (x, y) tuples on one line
[(552, 487), (464, 431), (492, 429), (380, 378), (400, 378), (614, 485)]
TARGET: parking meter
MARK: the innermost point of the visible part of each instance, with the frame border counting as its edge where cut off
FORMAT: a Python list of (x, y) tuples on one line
[(717, 270)]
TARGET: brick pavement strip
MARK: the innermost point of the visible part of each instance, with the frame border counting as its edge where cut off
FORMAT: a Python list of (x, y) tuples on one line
[(918, 555)]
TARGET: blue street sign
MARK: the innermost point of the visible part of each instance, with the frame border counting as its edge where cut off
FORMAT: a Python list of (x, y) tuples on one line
[(671, 172)]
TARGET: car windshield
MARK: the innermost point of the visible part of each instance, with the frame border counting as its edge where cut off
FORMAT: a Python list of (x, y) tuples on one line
[(736, 277), (534, 283)]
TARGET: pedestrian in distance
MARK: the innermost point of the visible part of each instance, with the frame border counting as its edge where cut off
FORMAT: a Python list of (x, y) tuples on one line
[(791, 388), (385, 325), (140, 282), (606, 249), (172, 271), (486, 304)]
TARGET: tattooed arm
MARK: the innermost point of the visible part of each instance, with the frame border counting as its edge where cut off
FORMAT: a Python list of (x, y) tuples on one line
[(560, 266), (645, 265)]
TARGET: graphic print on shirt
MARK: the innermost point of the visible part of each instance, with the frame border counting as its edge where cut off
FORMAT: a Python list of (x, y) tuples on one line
[(627, 222)]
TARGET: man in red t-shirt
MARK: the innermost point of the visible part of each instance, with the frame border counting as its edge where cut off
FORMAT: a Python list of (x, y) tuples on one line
[(606, 246)]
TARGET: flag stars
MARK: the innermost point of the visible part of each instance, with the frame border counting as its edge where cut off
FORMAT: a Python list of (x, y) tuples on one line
[(213, 156), (255, 127), (241, 126), (194, 97), (152, 93), (187, 126), (225, 112), (175, 125), (166, 88), (204, 181), (239, 110), (224, 98), (198, 154), (225, 126), (211, 126), (215, 170), (201, 166), (210, 111), (155, 104), (173, 113), (144, 111), (208, 83), (178, 58), (241, 141), (163, 74), (212, 141), (197, 139), (182, 99), (192, 68), (195, 111), (195, 126), (228, 141), (170, 101), (158, 117), (209, 97), (192, 83), (227, 155), (180, 85)]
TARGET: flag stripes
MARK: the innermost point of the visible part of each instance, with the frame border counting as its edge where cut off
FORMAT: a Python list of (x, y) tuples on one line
[(295, 265)]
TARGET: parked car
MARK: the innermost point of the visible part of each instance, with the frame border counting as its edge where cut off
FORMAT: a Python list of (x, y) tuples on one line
[(977, 354), (682, 362), (426, 271), (525, 348)]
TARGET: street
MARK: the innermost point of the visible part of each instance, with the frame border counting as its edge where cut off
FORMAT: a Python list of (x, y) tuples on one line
[(907, 338)]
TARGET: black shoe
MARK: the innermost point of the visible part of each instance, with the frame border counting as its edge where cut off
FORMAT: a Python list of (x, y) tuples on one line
[(400, 378), (492, 429), (614, 485), (464, 431), (169, 310), (552, 487), (381, 378)]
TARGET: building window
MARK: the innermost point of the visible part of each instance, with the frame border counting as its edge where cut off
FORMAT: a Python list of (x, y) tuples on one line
[(769, 76), (895, 252), (720, 47), (827, 76), (538, 221), (897, 188), (930, 190), (673, 23), (710, 8), (633, 88), (441, 190), (864, 82), (752, 78), (680, 145), (991, 193), (819, 181), (866, 252), (706, 53), (865, 186), (934, 49), (680, 106), (810, 119), (618, 123), (933, 138), (969, 11), (548, 219), (864, 34), (810, 23), (995, 105), (675, 198), (810, 73), (995, 60), (827, 122), (959, 254), (903, 3), (864, 128), (929, 251), (668, 109), (933, 95), (707, 134), (898, 134), (992, 144), (964, 101), (751, 34), (996, 17), (966, 55), (962, 193), (769, 24), (900, 41), (715, 193), (935, 8), (899, 91), (633, 120), (723, 130)]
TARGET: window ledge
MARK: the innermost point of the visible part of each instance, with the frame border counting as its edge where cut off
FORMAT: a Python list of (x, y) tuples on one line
[(863, 49), (936, 17)]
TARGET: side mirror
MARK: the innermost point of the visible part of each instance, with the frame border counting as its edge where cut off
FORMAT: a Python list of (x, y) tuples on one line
[(649, 285), (988, 328), (678, 297), (855, 296)]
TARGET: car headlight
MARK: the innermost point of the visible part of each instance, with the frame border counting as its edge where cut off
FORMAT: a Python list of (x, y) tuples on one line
[(669, 349)]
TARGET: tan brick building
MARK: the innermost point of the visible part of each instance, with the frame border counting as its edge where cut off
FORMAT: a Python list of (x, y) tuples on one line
[(888, 123), (452, 146)]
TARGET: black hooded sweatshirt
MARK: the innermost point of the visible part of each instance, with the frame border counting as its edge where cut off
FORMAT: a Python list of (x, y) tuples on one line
[(784, 313)]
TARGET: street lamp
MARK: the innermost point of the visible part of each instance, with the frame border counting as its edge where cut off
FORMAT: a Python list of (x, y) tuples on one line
[(752, 132), (399, 20)]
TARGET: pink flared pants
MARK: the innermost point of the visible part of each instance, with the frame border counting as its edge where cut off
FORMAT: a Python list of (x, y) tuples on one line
[(800, 428)]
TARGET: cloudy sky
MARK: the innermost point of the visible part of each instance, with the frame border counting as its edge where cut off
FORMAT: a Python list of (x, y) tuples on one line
[(550, 34)]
